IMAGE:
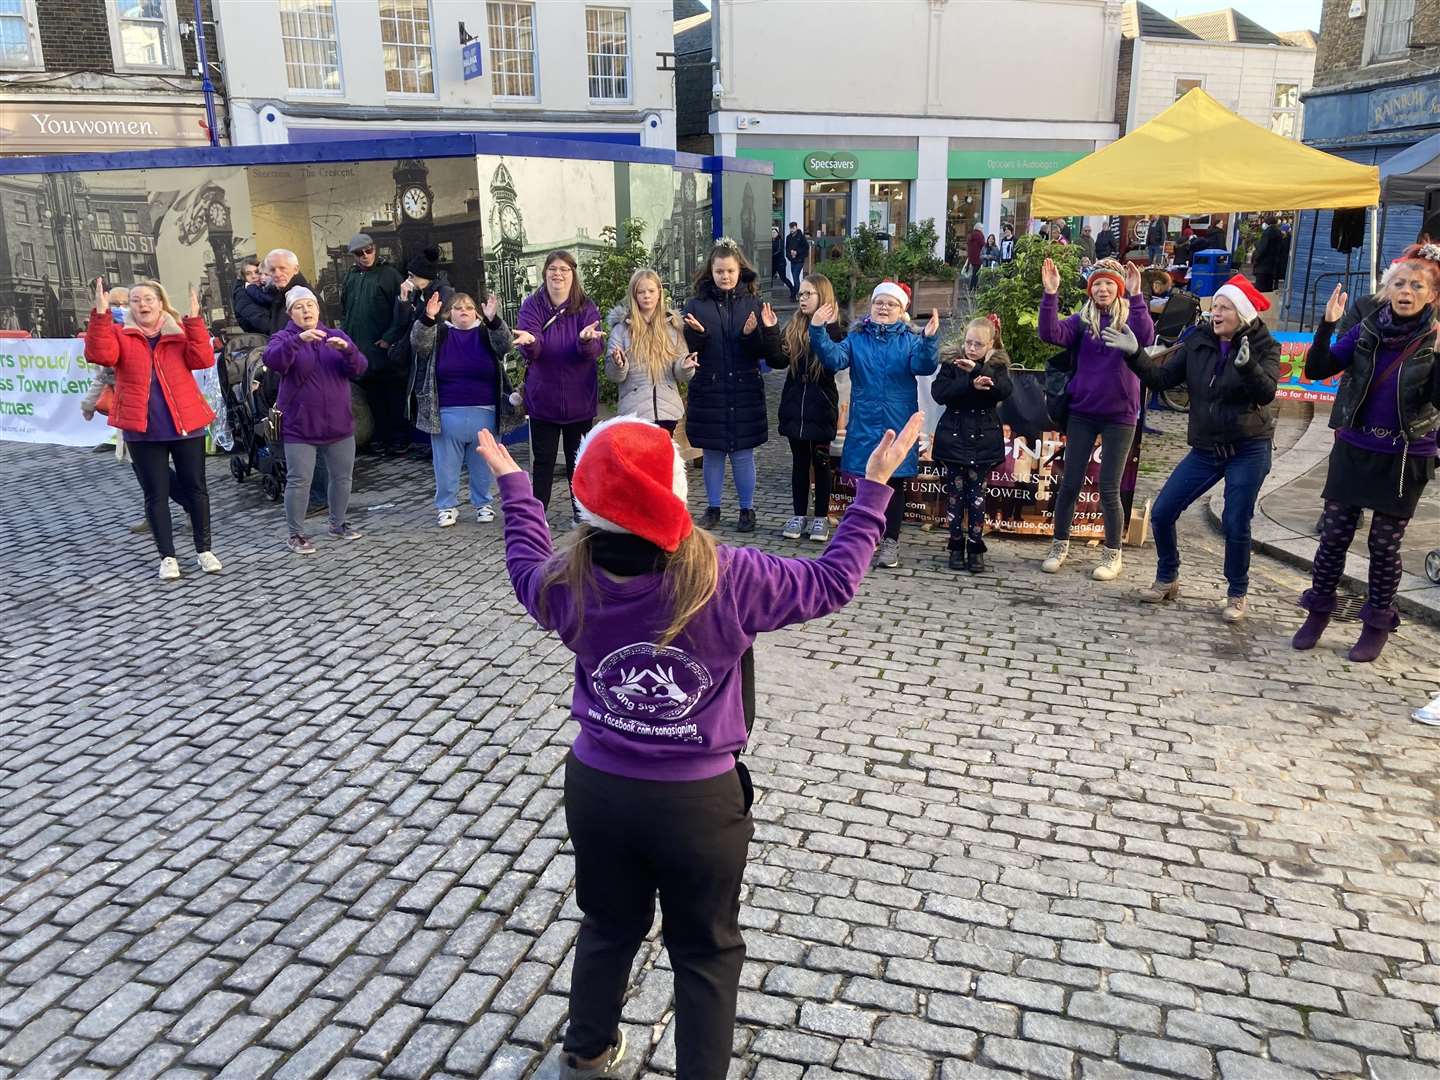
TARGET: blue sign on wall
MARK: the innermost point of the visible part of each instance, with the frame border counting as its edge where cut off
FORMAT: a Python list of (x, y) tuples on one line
[(1417, 105), (470, 59)]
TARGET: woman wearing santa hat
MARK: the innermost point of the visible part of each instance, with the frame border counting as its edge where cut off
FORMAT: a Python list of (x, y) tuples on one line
[(1231, 365), (655, 798), (884, 358), (1103, 398), (1386, 412)]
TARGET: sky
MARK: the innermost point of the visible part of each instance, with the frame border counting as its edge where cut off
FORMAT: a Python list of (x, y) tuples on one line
[(1272, 14)]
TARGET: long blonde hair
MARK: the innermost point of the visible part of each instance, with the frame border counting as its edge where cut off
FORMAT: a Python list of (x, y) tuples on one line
[(796, 336), (159, 290), (689, 581), (653, 340)]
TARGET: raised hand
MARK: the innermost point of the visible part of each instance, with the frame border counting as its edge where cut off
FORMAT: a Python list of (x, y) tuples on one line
[(750, 324), (495, 455), (591, 332), (102, 296), (768, 316), (492, 306), (824, 315), (1132, 279), (617, 354), (339, 344), (983, 382), (694, 323), (432, 306), (406, 288), (892, 450), (691, 362), (194, 303), (522, 339), (1242, 354), (932, 327), (1121, 337), (313, 334), (964, 363), (1335, 306), (1050, 276)]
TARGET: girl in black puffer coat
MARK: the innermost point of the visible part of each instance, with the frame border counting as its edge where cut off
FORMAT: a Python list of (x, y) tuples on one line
[(970, 439), (730, 330), (809, 411)]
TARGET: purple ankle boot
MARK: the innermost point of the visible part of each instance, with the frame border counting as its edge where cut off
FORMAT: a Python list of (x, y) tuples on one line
[(1379, 623), (1308, 636)]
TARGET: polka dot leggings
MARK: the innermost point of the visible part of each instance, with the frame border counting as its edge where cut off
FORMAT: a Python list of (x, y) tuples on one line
[(967, 499), (1337, 530)]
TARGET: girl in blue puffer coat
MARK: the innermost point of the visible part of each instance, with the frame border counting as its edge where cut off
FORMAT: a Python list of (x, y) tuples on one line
[(884, 357)]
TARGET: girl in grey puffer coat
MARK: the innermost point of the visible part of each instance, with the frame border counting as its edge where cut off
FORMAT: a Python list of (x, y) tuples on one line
[(649, 385)]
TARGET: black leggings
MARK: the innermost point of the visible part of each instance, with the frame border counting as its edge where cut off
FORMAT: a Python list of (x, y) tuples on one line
[(385, 394), (895, 512), (1115, 440), (151, 462), (685, 841), (545, 439), (805, 456)]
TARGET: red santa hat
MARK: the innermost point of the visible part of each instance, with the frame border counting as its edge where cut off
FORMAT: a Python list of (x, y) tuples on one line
[(629, 479), (896, 290), (1247, 299)]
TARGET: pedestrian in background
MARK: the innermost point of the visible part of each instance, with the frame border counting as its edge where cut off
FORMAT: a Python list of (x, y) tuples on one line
[(657, 803), (1272, 251), (884, 358), (248, 299), (1086, 244), (1155, 242), (809, 411), (1105, 244), (970, 440), (562, 383), (159, 408), (315, 364), (648, 358), (423, 280), (1385, 416), (460, 385), (368, 294), (797, 249), (974, 247), (990, 253), (777, 258), (1231, 366), (1103, 398), (730, 331)]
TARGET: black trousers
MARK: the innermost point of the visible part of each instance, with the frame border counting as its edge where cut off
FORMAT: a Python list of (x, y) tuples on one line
[(686, 841), (545, 439), (385, 394), (805, 456), (151, 462), (895, 512)]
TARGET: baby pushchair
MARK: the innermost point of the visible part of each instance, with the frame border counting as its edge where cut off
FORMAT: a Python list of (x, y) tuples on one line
[(249, 388)]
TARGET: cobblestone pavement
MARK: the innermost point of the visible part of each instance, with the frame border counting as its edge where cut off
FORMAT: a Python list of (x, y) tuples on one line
[(303, 819)]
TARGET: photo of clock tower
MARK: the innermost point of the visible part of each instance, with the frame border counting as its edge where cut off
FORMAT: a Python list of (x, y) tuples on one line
[(414, 208), (507, 227)]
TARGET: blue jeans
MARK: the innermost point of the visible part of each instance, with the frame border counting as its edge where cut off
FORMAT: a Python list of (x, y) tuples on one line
[(742, 467), (1243, 469), (454, 446)]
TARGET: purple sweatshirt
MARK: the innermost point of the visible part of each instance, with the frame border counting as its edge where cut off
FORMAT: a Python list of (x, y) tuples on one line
[(676, 714), (1381, 410), (562, 382), (1102, 388), (465, 372), (314, 397)]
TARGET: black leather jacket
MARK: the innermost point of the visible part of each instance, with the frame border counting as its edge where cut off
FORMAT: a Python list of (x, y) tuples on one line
[(1418, 387)]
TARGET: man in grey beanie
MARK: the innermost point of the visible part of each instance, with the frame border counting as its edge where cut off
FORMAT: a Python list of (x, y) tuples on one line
[(367, 300)]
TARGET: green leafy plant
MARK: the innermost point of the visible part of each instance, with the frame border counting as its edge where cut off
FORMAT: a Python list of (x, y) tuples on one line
[(607, 279), (1012, 291), (870, 257)]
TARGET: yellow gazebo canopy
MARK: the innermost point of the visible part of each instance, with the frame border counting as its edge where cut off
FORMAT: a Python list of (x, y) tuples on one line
[(1197, 157)]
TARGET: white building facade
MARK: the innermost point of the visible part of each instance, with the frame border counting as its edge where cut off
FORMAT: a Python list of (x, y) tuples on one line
[(318, 70), (913, 109)]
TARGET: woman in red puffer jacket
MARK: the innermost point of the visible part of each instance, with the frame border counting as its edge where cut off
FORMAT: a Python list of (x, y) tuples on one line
[(159, 407)]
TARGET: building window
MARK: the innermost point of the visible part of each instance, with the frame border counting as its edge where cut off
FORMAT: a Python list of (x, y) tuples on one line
[(130, 219), (512, 49), (607, 53), (312, 49), (27, 259), (22, 212), (1388, 30), (889, 207), (143, 36), (52, 263), (405, 37), (1284, 110), (1184, 86), (19, 36)]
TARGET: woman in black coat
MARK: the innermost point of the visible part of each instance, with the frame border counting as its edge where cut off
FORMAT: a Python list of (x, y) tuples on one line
[(730, 330), (809, 411), (970, 440)]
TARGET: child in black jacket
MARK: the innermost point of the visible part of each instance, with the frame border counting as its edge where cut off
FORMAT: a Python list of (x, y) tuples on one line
[(970, 439)]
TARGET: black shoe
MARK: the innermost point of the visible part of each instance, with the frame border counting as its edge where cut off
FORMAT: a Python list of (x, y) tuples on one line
[(711, 518), (747, 521), (957, 558), (976, 562)]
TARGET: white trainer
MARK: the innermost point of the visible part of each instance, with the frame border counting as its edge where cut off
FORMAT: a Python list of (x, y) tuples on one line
[(169, 569), (1109, 568), (447, 517), (208, 562), (1056, 556), (794, 528), (484, 514)]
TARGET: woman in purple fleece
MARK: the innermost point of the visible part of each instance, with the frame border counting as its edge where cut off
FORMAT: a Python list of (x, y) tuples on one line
[(1103, 398), (655, 798)]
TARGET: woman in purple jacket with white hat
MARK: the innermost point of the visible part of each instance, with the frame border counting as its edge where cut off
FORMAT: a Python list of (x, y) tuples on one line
[(558, 333), (315, 364)]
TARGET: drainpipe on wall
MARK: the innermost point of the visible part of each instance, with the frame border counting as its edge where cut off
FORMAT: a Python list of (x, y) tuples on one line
[(206, 86)]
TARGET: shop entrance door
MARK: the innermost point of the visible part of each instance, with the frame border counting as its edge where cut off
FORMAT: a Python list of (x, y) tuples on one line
[(827, 218)]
